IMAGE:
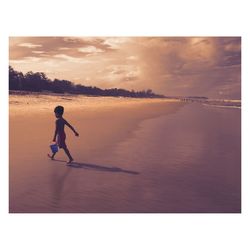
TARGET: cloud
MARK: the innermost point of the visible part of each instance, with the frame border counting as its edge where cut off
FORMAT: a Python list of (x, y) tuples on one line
[(38, 51), (116, 42), (74, 47), (30, 45), (133, 58), (90, 49), (168, 65), (130, 78), (186, 66)]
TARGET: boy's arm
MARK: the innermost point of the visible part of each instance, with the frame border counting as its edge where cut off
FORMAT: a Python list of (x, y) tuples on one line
[(56, 130), (71, 127)]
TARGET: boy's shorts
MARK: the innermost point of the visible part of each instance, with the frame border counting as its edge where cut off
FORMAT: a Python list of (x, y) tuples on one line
[(61, 140)]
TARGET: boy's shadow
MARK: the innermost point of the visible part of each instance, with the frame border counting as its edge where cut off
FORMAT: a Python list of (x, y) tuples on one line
[(89, 166)]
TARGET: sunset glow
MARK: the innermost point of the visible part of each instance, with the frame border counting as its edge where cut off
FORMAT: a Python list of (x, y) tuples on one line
[(204, 66)]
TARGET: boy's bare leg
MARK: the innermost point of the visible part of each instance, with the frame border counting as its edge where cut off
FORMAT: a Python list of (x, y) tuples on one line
[(68, 154), (51, 156)]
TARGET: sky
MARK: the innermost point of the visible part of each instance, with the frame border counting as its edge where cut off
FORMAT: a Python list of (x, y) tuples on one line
[(172, 66)]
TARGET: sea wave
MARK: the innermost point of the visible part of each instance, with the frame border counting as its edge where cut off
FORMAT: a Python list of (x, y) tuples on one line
[(222, 106)]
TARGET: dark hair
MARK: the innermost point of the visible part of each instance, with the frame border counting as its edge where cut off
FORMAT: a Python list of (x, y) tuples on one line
[(59, 110)]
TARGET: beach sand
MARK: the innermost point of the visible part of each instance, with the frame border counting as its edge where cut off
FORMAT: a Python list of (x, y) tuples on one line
[(133, 155)]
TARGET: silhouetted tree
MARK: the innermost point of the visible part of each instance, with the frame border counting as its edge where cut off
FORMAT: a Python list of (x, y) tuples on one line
[(16, 79), (38, 82)]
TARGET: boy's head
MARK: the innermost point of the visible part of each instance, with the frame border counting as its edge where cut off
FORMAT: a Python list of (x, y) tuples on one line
[(59, 111)]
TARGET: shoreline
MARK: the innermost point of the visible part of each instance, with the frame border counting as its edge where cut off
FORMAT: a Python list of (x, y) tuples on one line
[(20, 104), (101, 123), (48, 93)]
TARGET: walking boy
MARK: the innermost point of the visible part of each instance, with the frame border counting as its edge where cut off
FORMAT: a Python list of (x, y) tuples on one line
[(60, 135)]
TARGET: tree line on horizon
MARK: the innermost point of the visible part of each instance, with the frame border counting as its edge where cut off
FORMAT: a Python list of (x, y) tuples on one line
[(39, 82)]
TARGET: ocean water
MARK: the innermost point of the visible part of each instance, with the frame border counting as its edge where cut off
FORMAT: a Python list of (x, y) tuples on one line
[(188, 161)]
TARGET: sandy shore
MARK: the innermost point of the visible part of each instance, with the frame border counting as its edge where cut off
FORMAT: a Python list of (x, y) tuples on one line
[(43, 103), (102, 123), (133, 155)]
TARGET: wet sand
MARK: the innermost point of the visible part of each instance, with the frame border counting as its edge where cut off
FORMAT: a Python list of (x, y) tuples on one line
[(131, 156)]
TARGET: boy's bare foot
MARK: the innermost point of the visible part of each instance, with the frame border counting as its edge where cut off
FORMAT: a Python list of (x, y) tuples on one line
[(51, 157), (70, 160)]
